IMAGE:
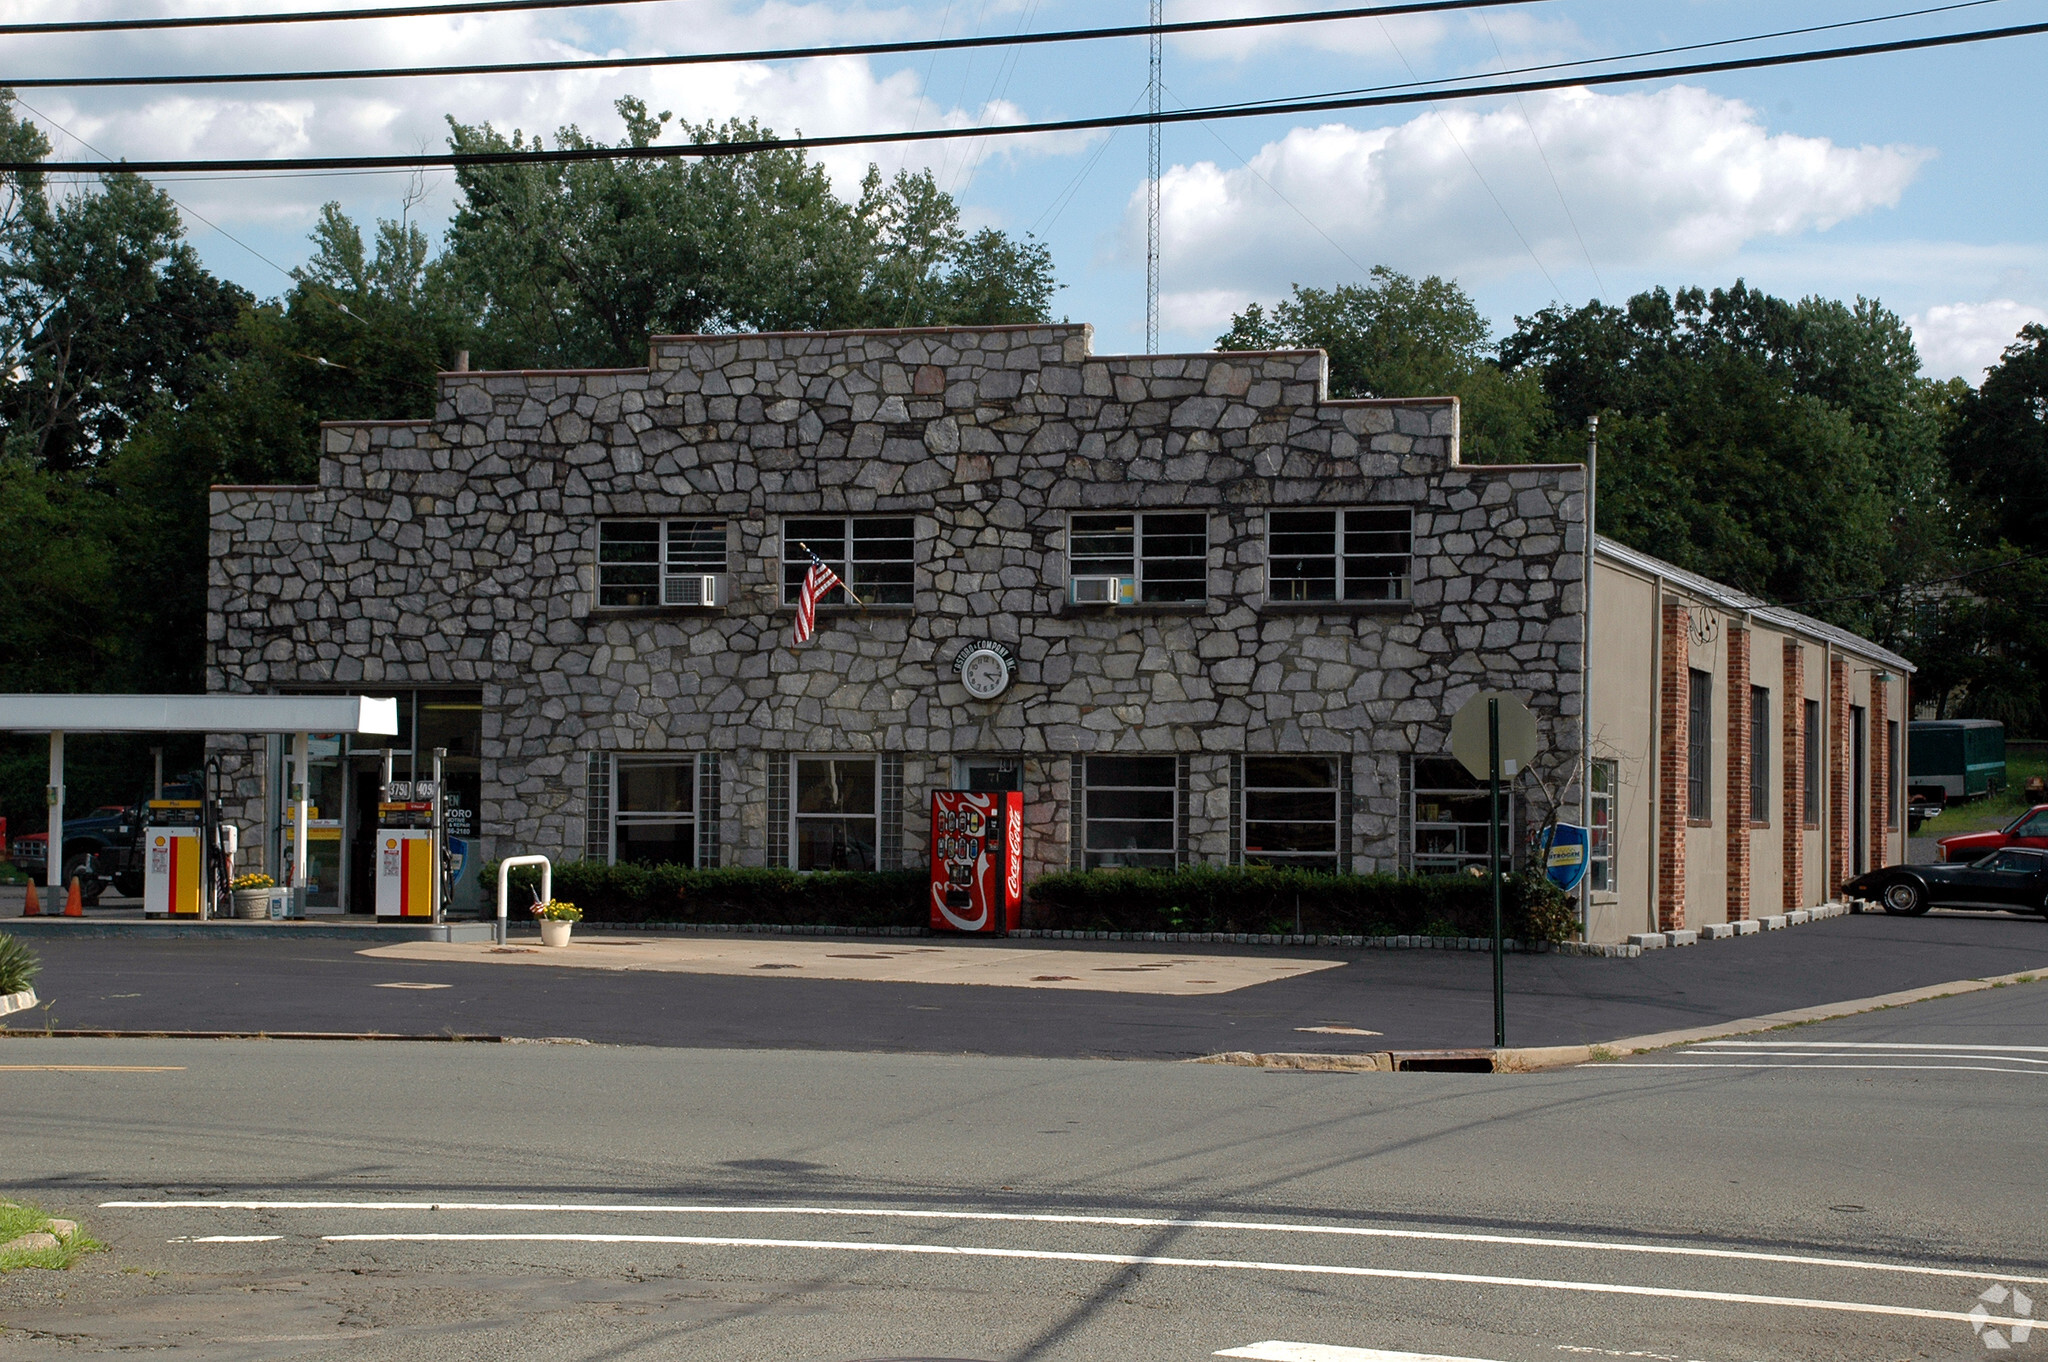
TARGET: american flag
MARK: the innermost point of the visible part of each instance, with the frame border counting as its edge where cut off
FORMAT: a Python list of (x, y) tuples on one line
[(818, 583)]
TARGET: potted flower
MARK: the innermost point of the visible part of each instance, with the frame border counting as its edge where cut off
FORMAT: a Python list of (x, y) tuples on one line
[(556, 918), (252, 894)]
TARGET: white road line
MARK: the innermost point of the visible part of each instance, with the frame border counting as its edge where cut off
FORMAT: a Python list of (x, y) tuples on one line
[(1152, 1260), (1880, 1045), (1832, 1054), (225, 1239), (1112, 1221), (1279, 1350), (1917, 1068)]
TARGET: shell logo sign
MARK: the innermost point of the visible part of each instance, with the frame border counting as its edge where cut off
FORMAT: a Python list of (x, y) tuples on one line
[(391, 844), (162, 841)]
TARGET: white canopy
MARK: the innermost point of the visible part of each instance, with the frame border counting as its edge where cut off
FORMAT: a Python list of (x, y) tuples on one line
[(198, 714)]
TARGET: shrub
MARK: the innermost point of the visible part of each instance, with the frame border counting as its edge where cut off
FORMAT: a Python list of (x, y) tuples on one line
[(1260, 900), (18, 966), (677, 893)]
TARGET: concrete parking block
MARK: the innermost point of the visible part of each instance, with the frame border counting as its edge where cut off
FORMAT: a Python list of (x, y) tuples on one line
[(1798, 917), (1747, 927), (1774, 923), (1649, 941), (1682, 938), (1717, 931)]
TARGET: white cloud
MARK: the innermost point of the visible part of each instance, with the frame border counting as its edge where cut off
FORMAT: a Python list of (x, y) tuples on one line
[(1678, 177), (1964, 339), (400, 116)]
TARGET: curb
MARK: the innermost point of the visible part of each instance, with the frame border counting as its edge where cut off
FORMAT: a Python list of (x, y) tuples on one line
[(234, 929), (1394, 943), (17, 1002), (90, 1034), (1536, 1059)]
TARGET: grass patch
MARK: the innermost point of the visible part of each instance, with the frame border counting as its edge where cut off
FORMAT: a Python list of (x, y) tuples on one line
[(17, 1220), (1992, 811)]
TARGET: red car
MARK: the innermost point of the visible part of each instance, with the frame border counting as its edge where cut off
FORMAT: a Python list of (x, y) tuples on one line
[(2030, 829)]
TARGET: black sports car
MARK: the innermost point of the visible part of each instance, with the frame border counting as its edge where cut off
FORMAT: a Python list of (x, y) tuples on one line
[(2015, 879)]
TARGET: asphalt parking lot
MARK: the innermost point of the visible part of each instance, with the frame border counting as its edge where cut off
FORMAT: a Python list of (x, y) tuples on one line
[(1373, 1000)]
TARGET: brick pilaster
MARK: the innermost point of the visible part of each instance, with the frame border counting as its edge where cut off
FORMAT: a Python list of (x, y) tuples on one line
[(1880, 777), (1794, 767), (1673, 709), (1739, 718), (1838, 776)]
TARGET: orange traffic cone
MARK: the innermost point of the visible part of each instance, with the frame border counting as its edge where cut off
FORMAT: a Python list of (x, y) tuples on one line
[(34, 907), (74, 902)]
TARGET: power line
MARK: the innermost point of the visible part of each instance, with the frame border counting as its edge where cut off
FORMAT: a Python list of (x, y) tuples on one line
[(701, 150), (1153, 84), (312, 16), (1155, 31), (1667, 51)]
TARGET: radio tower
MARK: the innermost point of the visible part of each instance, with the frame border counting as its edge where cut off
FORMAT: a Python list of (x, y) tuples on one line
[(1152, 190)]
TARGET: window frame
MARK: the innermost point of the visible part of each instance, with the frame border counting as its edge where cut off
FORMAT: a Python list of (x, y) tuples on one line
[(1811, 755), (847, 563), (617, 816), (1340, 557), (1155, 858), (1600, 805), (1760, 756), (1138, 559), (665, 556), (1891, 774), (797, 816), (1451, 863), (1699, 747), (1330, 860)]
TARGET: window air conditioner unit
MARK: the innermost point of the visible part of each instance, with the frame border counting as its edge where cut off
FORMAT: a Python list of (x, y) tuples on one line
[(706, 588), (1103, 591)]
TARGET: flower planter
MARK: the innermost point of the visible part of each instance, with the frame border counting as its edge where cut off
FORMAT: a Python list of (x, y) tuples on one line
[(554, 933), (252, 903)]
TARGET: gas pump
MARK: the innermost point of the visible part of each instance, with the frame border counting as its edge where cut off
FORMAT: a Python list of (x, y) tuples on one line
[(408, 877), (977, 861), (174, 859)]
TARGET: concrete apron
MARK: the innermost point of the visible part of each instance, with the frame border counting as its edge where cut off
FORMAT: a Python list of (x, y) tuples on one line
[(1007, 967)]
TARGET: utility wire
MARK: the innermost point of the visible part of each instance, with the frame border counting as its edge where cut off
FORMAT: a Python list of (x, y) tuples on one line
[(899, 47), (1664, 51), (1530, 124), (311, 16), (752, 146)]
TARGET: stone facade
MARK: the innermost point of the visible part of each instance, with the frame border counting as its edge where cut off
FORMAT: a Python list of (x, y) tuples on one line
[(461, 551)]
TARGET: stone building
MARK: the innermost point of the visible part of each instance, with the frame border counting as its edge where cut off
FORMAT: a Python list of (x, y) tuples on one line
[(1193, 608)]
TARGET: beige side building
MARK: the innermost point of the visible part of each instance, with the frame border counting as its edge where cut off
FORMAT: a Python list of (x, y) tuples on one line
[(1746, 759)]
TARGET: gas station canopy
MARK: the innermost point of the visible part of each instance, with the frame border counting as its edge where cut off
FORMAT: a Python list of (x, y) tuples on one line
[(198, 714)]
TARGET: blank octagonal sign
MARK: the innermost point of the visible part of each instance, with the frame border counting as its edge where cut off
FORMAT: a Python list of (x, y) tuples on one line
[(1517, 734)]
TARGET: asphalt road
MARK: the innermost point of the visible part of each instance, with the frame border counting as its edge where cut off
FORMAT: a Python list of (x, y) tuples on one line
[(1412, 999), (429, 1202)]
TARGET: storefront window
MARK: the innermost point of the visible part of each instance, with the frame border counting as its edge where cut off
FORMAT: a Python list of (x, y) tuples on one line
[(1450, 818), (1290, 811), (654, 820), (835, 814), (1132, 811)]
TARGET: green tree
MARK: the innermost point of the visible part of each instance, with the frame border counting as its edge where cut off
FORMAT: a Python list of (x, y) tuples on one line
[(577, 264), (1402, 337)]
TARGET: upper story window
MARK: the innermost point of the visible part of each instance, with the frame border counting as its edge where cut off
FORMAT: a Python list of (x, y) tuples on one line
[(874, 555), (1361, 554), (1134, 556), (661, 562)]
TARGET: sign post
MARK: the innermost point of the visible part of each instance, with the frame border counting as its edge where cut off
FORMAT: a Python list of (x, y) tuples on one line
[(1493, 735)]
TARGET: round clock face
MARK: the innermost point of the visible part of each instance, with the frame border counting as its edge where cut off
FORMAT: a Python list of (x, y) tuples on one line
[(985, 673)]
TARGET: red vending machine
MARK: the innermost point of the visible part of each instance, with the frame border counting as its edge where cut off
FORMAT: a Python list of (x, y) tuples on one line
[(977, 860)]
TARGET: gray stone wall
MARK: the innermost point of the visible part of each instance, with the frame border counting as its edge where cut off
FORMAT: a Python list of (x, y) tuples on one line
[(461, 551)]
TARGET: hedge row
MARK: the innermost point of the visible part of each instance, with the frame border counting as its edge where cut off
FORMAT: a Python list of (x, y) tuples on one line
[(677, 893), (1196, 899)]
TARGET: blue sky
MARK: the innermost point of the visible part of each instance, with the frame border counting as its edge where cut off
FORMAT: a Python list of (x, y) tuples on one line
[(1916, 178)]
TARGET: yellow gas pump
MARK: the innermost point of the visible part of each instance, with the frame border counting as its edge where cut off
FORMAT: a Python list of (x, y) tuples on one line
[(407, 878), (173, 858)]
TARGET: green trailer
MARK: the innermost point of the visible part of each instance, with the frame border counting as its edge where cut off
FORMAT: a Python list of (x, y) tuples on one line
[(1954, 759)]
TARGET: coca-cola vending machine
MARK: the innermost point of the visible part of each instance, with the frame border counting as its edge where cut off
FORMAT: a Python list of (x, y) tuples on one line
[(977, 860)]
